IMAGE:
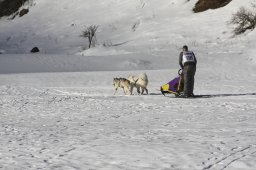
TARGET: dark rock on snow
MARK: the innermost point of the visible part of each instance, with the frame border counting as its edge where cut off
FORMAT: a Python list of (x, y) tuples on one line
[(35, 50)]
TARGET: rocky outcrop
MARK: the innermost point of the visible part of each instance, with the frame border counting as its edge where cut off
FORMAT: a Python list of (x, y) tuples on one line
[(23, 12), (203, 5), (9, 7)]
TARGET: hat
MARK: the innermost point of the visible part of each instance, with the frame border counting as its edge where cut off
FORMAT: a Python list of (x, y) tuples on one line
[(185, 47)]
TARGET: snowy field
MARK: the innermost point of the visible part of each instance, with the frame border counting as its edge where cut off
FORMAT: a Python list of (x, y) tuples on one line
[(58, 111)]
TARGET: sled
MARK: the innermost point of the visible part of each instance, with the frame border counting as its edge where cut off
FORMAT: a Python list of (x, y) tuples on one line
[(175, 86)]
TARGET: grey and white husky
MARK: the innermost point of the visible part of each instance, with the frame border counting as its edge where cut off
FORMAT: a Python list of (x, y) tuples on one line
[(122, 83)]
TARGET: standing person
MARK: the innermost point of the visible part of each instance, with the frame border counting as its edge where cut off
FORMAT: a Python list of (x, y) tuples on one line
[(187, 61)]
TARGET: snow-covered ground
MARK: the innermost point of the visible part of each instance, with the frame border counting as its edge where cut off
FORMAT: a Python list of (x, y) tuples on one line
[(58, 111)]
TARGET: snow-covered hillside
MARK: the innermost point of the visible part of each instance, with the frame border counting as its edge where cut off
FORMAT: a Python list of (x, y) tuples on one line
[(134, 24), (138, 30), (58, 111)]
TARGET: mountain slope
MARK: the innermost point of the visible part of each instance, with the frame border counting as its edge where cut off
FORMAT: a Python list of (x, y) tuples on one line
[(136, 31), (55, 26)]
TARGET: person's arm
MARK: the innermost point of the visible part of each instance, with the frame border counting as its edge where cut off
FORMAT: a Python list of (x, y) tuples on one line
[(195, 58), (180, 60)]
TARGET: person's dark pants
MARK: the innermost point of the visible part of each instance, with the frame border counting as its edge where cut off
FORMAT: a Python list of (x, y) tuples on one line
[(189, 71)]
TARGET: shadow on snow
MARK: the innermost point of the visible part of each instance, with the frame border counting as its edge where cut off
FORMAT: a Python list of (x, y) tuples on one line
[(208, 95), (223, 95)]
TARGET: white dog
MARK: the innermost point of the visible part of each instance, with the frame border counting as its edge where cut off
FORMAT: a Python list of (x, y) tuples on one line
[(140, 82), (123, 83)]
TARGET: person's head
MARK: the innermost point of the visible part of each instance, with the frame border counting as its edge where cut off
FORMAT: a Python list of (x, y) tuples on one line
[(185, 48)]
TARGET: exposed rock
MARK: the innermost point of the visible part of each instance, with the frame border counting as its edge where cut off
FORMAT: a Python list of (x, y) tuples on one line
[(9, 7), (23, 12), (35, 50), (203, 5)]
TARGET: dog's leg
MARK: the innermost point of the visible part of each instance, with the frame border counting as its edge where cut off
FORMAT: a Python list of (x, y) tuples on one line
[(138, 89), (130, 92), (131, 89), (146, 90), (115, 91), (142, 90), (124, 91), (127, 90)]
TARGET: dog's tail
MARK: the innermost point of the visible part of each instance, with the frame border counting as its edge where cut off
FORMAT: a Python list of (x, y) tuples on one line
[(144, 77)]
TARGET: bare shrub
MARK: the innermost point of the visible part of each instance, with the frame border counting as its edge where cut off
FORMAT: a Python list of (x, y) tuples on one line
[(244, 19), (90, 34)]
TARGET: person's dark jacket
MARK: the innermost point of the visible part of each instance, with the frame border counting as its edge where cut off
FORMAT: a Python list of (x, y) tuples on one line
[(180, 60)]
